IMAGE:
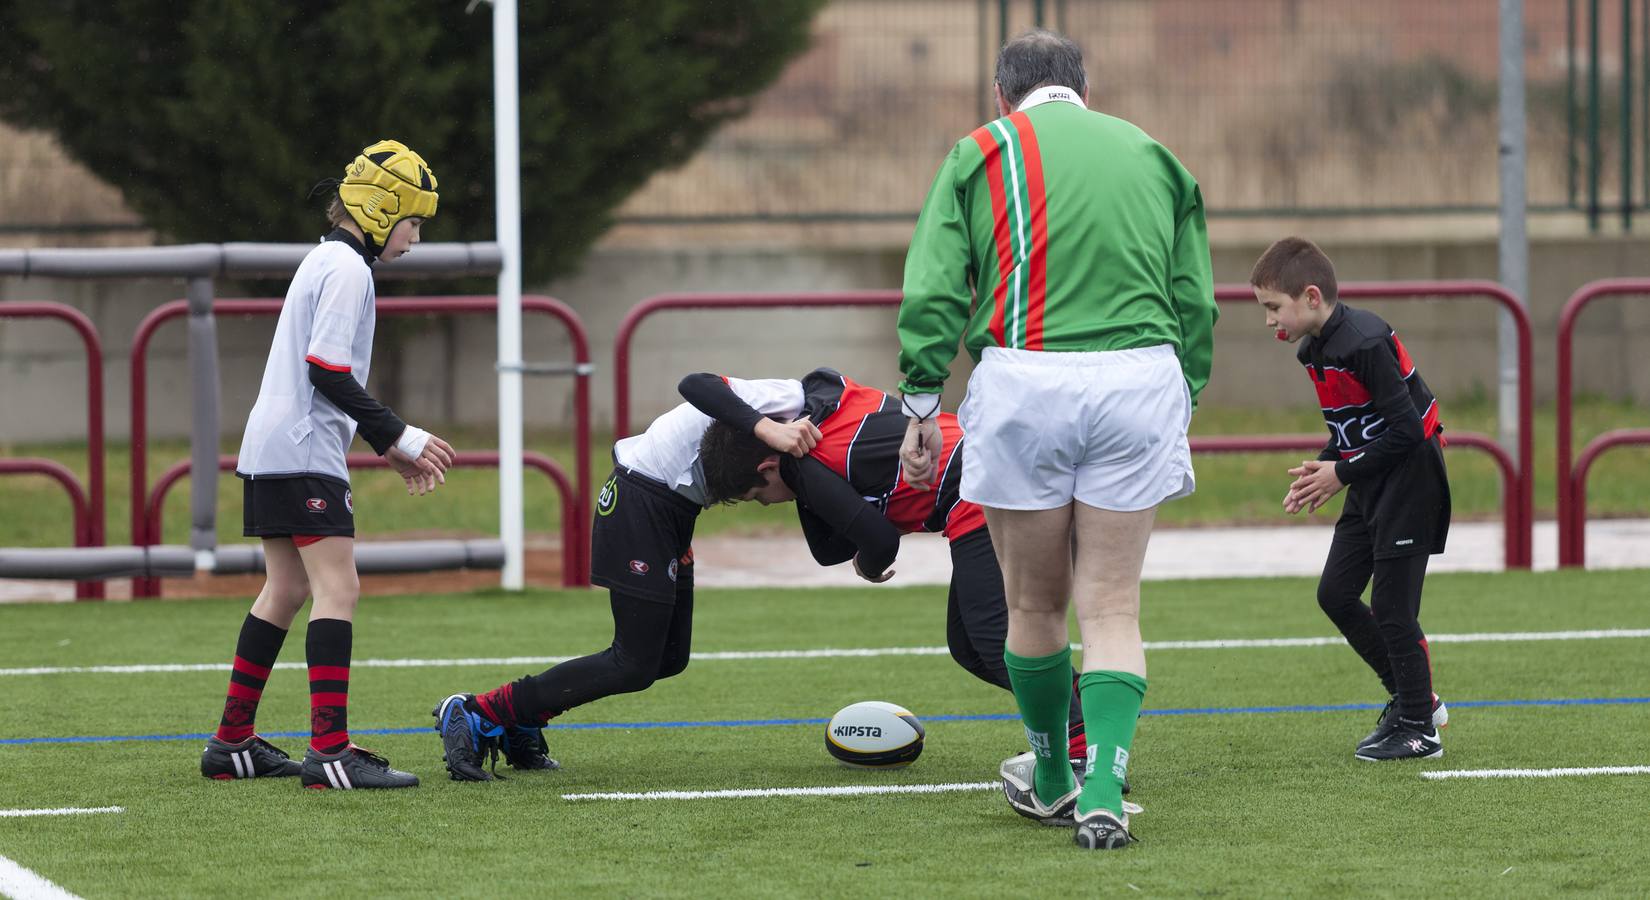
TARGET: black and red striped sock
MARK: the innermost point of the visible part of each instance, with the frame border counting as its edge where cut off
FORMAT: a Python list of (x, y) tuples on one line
[(255, 652), (328, 648), (498, 704), (511, 703)]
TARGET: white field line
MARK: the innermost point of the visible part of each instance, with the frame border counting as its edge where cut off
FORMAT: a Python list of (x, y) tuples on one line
[(1536, 773), (62, 811), (846, 790), (843, 790), (21, 884), (836, 653)]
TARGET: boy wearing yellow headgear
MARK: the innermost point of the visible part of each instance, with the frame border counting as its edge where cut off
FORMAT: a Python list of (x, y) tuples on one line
[(311, 404)]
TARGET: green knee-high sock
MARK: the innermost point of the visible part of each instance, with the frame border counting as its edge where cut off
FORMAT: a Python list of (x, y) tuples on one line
[(1111, 705), (1042, 688)]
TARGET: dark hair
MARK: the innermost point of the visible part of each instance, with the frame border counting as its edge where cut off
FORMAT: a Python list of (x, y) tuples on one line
[(1289, 265), (1039, 58), (730, 457)]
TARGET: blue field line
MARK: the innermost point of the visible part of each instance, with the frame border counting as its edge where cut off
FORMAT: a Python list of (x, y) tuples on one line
[(763, 723)]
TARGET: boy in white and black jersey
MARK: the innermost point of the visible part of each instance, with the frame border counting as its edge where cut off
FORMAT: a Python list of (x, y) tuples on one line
[(642, 552), (1386, 445), (310, 404)]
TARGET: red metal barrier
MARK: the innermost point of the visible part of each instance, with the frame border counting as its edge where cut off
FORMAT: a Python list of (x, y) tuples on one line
[(1518, 501), (95, 511), (83, 519), (662, 302), (1510, 520), (1578, 485), (570, 576), (574, 526), (1572, 479)]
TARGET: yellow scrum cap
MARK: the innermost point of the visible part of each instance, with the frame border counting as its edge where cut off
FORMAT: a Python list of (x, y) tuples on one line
[(385, 184)]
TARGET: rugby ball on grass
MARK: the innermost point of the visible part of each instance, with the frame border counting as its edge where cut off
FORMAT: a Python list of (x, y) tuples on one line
[(874, 735)]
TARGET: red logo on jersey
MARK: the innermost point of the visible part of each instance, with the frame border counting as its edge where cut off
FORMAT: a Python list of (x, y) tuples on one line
[(316, 504), (639, 567)]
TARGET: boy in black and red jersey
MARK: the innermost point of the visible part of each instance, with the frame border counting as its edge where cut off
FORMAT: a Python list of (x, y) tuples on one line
[(854, 503), (1386, 446)]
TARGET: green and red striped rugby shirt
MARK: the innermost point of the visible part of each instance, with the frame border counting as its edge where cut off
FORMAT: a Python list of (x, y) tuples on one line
[(1077, 231)]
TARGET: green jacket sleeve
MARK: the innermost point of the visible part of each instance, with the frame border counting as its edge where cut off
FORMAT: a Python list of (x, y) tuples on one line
[(934, 310), (1192, 284)]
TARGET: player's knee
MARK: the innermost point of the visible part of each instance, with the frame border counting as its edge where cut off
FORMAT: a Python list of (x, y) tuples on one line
[(338, 597), (671, 666), (1333, 600), (630, 676), (288, 593)]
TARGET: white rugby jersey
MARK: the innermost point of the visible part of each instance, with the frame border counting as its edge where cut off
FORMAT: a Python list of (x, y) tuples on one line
[(327, 319), (668, 450)]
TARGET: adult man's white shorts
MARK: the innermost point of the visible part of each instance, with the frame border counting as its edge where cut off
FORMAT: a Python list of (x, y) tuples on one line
[(1106, 428)]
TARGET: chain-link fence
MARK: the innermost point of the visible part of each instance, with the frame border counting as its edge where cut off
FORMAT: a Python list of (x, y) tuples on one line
[(1277, 106)]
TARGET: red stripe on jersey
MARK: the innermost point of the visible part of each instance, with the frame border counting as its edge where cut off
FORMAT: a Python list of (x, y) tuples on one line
[(965, 518), (329, 673), (1338, 388), (1037, 260), (1406, 366), (999, 227), (909, 508), (312, 358), (837, 432), (1429, 421), (253, 669)]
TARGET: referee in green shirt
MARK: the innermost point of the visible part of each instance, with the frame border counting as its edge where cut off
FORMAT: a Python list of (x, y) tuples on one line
[(1067, 251)]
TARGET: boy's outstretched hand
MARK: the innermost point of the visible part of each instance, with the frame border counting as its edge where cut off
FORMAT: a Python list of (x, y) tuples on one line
[(428, 469), (420, 474), (1315, 482), (795, 438), (439, 453)]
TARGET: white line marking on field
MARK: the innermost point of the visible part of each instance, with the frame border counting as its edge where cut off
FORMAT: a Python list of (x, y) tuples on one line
[(1536, 773), (841, 790), (22, 884), (61, 811), (834, 653), (844, 790), (1484, 637)]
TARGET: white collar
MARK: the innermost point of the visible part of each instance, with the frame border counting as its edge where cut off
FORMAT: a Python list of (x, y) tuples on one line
[(1049, 94)]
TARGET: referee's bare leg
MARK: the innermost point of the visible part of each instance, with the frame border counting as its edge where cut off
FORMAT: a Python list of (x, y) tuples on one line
[(1110, 550), (1034, 550)]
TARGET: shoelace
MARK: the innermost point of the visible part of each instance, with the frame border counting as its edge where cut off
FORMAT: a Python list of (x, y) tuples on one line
[(487, 736), (260, 742), (370, 757), (1381, 720)]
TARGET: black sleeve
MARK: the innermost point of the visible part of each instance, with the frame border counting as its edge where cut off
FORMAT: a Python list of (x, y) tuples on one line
[(711, 395), (373, 420), (1329, 453), (828, 547), (845, 524), (1376, 366)]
